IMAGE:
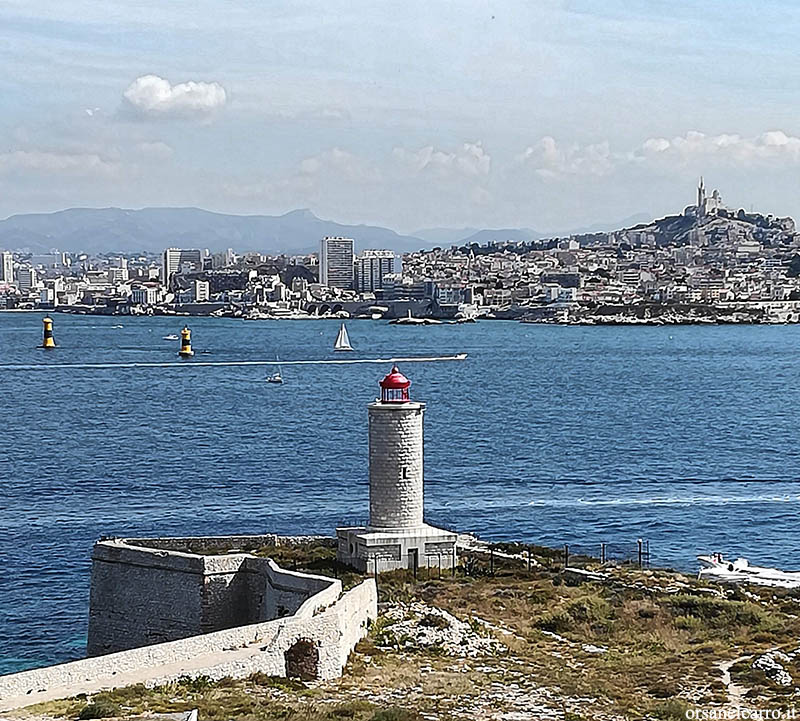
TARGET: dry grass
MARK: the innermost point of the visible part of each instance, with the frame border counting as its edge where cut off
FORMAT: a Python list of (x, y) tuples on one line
[(656, 653)]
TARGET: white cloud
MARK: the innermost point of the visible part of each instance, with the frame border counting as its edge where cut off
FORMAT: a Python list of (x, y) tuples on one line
[(153, 96), (772, 146), (338, 163), (54, 162), (550, 159), (154, 149), (470, 160)]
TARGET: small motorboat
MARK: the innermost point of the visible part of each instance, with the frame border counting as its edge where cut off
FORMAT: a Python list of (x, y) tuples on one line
[(718, 569), (277, 376), (171, 336)]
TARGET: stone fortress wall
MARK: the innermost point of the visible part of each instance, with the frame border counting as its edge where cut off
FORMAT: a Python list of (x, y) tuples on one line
[(158, 614), (146, 591)]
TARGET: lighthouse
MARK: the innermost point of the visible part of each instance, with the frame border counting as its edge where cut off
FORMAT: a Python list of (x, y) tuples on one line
[(396, 535)]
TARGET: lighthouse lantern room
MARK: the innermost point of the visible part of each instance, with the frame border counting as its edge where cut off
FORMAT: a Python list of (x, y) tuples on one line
[(394, 387)]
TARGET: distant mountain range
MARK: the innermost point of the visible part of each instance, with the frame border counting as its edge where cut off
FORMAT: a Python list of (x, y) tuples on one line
[(103, 230)]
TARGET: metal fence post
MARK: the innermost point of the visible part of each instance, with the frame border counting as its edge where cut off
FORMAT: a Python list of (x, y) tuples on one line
[(602, 553), (639, 544)]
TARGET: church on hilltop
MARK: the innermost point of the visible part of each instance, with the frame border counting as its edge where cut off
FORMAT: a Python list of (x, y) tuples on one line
[(707, 205)]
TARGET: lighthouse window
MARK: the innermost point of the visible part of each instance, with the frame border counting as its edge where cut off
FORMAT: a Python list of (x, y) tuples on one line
[(405, 473)]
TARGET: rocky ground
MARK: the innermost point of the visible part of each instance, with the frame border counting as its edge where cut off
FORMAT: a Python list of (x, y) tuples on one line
[(614, 643)]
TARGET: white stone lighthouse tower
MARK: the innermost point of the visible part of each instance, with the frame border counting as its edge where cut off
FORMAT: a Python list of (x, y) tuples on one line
[(397, 535)]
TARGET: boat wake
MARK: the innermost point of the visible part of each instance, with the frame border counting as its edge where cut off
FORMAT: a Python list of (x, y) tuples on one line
[(195, 363), (668, 501)]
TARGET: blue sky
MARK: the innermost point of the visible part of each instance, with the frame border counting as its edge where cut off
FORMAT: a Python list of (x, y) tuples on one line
[(549, 113)]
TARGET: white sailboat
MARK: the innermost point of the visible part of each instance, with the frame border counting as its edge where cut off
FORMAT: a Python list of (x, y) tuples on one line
[(342, 340)]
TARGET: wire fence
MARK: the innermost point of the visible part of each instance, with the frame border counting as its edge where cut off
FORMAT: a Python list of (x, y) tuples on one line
[(478, 558)]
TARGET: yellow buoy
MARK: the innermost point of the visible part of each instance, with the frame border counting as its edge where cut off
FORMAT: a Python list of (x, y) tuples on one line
[(186, 343), (47, 340)]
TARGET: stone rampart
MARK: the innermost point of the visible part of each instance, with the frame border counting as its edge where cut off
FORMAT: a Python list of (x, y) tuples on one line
[(329, 636), (141, 593)]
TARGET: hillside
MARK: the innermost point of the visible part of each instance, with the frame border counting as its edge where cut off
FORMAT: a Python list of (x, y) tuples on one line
[(104, 230), (99, 230)]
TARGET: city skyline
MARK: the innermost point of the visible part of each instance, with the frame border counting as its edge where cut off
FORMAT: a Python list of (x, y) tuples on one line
[(551, 117)]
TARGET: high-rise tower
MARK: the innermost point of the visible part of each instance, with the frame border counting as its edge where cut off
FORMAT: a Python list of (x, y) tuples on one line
[(396, 535)]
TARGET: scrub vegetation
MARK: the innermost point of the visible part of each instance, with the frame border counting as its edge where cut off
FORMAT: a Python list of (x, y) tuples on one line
[(638, 644)]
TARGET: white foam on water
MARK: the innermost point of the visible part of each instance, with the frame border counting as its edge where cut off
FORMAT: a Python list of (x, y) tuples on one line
[(197, 363), (667, 501)]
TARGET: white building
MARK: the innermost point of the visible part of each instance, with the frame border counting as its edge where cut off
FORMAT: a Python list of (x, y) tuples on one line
[(336, 262), (7, 266), (178, 260), (146, 294), (371, 267), (202, 291)]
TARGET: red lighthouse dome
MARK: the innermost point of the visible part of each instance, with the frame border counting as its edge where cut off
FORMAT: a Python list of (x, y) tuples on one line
[(394, 387)]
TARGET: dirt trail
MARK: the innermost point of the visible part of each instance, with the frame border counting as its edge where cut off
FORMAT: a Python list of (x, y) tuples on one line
[(735, 692)]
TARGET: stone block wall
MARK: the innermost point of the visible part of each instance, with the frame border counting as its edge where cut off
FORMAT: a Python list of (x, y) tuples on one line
[(142, 595), (395, 465), (236, 652)]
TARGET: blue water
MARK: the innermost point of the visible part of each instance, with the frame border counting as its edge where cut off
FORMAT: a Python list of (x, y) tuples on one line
[(684, 436)]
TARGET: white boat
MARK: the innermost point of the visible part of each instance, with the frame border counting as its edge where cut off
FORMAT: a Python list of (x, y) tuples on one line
[(171, 336), (716, 568), (342, 340), (277, 376)]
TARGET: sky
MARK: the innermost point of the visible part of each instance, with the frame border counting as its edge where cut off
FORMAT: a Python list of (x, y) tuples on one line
[(548, 114)]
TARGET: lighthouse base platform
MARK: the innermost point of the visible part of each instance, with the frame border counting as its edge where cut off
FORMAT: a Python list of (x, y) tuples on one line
[(376, 550)]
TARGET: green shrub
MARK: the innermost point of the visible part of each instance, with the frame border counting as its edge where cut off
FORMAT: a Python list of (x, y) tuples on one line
[(199, 683), (395, 713), (717, 612), (673, 709), (101, 708), (351, 709), (591, 610), (689, 623)]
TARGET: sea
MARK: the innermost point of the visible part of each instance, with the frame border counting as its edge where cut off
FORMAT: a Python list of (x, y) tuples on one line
[(684, 436)]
